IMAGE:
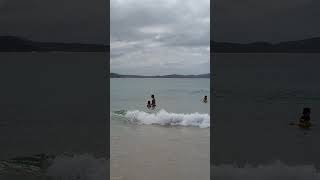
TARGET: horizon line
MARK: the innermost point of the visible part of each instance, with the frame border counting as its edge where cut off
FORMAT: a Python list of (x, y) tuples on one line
[(160, 75), (265, 41)]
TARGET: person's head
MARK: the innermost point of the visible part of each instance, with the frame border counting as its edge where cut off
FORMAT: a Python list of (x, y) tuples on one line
[(205, 97), (306, 111), (149, 102), (152, 96)]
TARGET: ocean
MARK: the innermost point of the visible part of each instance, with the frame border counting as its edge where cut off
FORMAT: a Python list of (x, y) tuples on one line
[(45, 134), (255, 97), (52, 116), (170, 142)]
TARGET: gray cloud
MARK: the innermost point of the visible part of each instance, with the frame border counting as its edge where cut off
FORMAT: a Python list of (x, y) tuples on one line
[(58, 20), (265, 20), (160, 36)]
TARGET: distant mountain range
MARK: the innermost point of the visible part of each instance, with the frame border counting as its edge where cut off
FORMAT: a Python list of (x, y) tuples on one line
[(311, 45), (17, 44), (115, 75)]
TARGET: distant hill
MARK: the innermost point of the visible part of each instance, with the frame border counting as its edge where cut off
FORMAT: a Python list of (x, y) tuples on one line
[(115, 75), (17, 44), (311, 45)]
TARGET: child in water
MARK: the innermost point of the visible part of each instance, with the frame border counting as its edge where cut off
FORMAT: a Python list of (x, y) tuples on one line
[(149, 105), (205, 99), (153, 104), (305, 118)]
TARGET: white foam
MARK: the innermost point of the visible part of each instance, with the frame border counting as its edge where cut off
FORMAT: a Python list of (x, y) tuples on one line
[(274, 171), (78, 167), (165, 118)]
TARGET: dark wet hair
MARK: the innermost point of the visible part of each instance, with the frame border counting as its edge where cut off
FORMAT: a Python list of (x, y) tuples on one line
[(152, 96), (149, 102), (306, 111)]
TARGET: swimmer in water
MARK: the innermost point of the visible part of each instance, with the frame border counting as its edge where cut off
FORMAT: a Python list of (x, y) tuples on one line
[(149, 105), (305, 118), (153, 102), (205, 99)]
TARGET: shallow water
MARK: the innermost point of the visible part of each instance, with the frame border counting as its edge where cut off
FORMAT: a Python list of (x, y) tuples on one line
[(171, 142), (256, 97), (52, 104)]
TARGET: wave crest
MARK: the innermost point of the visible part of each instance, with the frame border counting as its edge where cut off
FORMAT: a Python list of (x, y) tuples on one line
[(275, 171), (78, 167), (61, 167), (165, 118)]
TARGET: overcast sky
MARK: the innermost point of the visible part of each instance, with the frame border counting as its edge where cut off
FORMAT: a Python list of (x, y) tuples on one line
[(56, 20), (265, 20), (157, 37), (176, 22)]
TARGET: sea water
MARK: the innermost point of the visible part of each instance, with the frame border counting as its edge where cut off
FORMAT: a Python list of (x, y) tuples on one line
[(170, 142), (255, 97), (52, 116)]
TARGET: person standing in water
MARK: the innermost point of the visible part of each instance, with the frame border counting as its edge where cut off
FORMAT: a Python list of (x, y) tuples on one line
[(305, 118), (149, 105), (153, 102), (205, 99)]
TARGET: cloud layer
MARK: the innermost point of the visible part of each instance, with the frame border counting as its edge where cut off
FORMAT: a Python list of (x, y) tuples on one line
[(157, 37), (265, 20), (58, 20)]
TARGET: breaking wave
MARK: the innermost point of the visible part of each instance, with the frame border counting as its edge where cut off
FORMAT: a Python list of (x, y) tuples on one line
[(61, 167), (165, 118), (275, 171), (78, 167)]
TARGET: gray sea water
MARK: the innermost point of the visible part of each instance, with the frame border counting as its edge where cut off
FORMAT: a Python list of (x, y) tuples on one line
[(171, 142), (256, 96), (52, 116)]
